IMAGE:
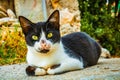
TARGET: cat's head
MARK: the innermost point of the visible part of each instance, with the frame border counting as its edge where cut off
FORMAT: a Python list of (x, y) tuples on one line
[(41, 37)]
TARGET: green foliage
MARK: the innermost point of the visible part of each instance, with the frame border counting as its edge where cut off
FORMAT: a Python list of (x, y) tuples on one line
[(97, 21), (13, 49)]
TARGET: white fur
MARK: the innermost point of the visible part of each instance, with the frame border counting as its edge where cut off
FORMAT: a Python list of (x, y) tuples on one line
[(55, 56), (40, 71)]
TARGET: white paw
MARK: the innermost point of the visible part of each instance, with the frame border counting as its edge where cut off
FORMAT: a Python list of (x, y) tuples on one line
[(40, 71), (50, 71)]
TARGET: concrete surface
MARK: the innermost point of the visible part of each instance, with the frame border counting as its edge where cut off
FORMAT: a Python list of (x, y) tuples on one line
[(106, 69)]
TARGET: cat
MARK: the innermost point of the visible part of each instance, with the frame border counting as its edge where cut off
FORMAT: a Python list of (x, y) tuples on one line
[(49, 53)]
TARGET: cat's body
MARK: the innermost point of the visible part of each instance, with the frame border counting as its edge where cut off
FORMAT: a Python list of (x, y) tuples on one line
[(48, 53)]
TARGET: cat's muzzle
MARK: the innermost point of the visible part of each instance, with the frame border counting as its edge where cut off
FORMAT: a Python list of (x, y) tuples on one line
[(44, 51), (44, 47)]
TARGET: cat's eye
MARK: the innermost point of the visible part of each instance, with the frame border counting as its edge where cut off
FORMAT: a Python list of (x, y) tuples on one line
[(34, 37), (49, 35)]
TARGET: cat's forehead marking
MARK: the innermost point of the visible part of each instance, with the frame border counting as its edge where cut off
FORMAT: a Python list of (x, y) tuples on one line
[(43, 37)]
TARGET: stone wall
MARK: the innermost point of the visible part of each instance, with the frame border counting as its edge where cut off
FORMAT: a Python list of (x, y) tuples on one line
[(4, 5), (34, 10), (69, 14)]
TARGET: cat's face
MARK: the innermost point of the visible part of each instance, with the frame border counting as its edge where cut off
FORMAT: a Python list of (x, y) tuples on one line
[(42, 37)]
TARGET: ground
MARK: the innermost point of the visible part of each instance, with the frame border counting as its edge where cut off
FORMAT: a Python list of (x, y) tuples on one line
[(106, 69)]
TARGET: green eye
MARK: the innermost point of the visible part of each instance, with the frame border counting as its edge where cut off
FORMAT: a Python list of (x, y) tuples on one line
[(34, 37), (49, 35)]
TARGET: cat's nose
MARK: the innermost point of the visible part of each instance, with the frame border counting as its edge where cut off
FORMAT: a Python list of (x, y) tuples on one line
[(44, 46), (43, 41)]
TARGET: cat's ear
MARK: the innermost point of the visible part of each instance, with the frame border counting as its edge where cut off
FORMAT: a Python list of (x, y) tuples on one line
[(25, 24), (54, 18)]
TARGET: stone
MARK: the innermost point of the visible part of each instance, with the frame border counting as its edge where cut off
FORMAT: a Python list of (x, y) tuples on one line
[(69, 14), (66, 16), (10, 13), (7, 21), (2, 14), (105, 53), (32, 9)]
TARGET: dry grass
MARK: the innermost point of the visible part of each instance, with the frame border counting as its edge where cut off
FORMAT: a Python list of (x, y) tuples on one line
[(13, 48)]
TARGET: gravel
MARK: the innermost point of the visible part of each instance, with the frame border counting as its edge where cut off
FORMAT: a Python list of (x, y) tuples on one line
[(106, 69)]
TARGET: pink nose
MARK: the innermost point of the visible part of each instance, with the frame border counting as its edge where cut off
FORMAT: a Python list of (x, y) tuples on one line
[(44, 45)]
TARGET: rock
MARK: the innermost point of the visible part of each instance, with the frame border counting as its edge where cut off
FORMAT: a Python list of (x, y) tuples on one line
[(11, 13), (55, 4), (105, 53), (69, 14), (32, 9), (7, 21), (69, 22), (66, 16), (2, 14), (72, 5), (6, 4), (67, 29)]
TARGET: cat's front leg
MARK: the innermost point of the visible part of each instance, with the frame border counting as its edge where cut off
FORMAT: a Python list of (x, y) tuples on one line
[(32, 70), (68, 65)]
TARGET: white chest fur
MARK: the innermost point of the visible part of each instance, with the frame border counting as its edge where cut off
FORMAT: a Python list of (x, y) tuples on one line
[(46, 60), (53, 58)]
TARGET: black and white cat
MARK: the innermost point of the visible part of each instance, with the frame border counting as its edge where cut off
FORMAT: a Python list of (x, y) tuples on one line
[(49, 53)]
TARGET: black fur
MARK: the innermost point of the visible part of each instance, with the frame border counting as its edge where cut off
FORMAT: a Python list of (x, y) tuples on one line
[(30, 70), (79, 44), (35, 29)]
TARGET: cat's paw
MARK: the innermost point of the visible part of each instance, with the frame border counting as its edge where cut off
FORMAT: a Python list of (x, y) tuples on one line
[(32, 71), (40, 72), (50, 71)]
